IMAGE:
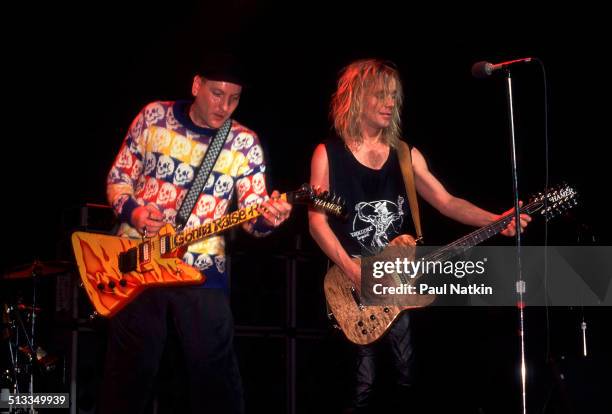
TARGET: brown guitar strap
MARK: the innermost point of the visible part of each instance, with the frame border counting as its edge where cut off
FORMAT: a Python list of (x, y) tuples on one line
[(406, 166)]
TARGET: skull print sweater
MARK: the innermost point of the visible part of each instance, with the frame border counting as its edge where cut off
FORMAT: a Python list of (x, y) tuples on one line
[(156, 164)]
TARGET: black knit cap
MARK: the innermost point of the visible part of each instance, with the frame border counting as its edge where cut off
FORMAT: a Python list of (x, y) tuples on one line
[(222, 67)]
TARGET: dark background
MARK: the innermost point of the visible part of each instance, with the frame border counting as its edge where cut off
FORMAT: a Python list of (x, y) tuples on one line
[(78, 75)]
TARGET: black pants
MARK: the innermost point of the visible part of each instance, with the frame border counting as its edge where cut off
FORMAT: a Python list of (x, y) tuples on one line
[(203, 324), (397, 343)]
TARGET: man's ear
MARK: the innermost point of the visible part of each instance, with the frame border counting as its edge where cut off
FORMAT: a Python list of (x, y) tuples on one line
[(197, 84)]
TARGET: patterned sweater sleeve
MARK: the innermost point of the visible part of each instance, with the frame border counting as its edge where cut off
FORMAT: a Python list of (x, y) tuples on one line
[(251, 186), (126, 173)]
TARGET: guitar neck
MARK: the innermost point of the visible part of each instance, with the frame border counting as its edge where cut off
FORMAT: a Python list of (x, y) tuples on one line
[(478, 236), (221, 224)]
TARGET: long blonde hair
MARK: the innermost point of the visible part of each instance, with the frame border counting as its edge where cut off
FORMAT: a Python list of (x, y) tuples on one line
[(346, 106)]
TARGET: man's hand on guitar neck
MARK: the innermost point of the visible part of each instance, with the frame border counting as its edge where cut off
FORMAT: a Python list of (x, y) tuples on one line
[(275, 210), (510, 230), (147, 220)]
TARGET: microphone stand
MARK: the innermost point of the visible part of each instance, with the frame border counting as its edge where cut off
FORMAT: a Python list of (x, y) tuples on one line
[(35, 274), (520, 283)]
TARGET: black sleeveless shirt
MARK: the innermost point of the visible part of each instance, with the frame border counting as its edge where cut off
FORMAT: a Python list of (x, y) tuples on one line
[(375, 199)]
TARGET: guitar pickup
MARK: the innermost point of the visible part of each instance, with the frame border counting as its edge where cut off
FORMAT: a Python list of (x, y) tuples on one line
[(164, 245), (128, 260), (144, 252)]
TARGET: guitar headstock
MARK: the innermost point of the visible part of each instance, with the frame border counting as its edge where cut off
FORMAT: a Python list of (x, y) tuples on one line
[(557, 200), (326, 201)]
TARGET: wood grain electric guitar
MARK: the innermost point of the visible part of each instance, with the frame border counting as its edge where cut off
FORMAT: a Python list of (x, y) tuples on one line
[(365, 324), (114, 270)]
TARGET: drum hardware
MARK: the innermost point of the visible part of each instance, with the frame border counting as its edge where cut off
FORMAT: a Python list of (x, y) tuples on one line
[(18, 328)]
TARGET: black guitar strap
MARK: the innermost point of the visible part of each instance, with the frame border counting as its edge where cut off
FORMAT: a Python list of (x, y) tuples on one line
[(201, 176)]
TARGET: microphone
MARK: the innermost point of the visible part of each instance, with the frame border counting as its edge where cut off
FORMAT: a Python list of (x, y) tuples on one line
[(484, 69)]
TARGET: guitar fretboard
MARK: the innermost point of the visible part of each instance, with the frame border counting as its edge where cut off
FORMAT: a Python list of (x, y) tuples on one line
[(218, 225), (475, 238)]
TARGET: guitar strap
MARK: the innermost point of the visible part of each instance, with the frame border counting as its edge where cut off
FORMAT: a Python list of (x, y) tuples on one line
[(407, 172), (203, 172)]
